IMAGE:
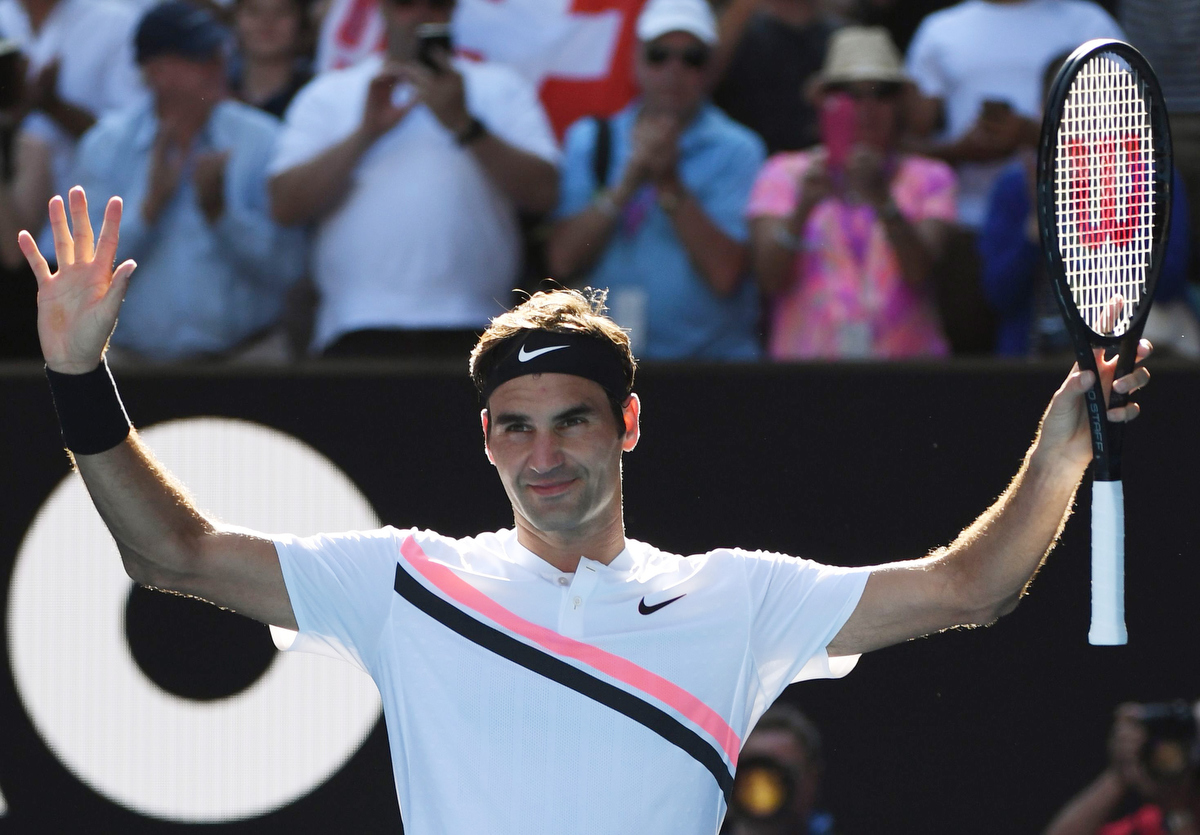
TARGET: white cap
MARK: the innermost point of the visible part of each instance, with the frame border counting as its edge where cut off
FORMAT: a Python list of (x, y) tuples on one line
[(695, 17)]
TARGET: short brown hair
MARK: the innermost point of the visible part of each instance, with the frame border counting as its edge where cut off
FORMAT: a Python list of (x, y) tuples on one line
[(559, 311)]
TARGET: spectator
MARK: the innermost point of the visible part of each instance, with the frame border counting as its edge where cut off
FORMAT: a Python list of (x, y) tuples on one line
[(75, 63), (272, 61), (1167, 34), (1153, 756), (772, 48), (843, 248), (1016, 286), (779, 778), (79, 66), (980, 64), (899, 17), (191, 166), (435, 161), (653, 199)]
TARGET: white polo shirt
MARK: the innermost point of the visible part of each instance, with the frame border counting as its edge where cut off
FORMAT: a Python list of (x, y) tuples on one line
[(979, 50), (424, 239), (523, 700)]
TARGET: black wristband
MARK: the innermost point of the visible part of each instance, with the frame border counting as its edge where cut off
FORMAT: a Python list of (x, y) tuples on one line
[(473, 132), (90, 411)]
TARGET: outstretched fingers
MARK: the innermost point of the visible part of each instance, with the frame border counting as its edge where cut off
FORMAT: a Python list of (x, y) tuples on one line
[(64, 246), (110, 232), (83, 239), (29, 248), (116, 290)]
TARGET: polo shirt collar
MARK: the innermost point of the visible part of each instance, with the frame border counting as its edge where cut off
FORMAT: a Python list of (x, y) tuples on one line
[(623, 563)]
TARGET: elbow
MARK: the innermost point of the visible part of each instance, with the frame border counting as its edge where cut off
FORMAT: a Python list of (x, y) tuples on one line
[(168, 568), (976, 602)]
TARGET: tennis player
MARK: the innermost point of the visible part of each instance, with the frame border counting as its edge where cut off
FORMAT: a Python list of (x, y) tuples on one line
[(557, 677)]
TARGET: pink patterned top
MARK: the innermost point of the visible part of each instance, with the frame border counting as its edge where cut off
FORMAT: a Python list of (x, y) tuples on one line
[(848, 298)]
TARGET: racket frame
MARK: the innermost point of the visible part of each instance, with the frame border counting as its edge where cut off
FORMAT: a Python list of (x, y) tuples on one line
[(1106, 437)]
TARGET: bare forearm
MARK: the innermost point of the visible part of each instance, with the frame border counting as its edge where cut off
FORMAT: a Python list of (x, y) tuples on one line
[(777, 243), (530, 181), (72, 118), (309, 191), (997, 556), (157, 529), (719, 258), (1089, 810), (913, 253)]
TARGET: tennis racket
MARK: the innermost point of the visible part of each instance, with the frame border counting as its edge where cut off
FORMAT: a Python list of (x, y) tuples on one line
[(1104, 198)]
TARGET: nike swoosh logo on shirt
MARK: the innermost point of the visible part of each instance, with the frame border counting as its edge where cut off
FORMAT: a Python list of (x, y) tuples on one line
[(649, 610), (526, 356)]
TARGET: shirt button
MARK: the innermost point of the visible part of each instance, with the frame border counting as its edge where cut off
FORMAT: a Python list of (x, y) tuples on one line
[(562, 581), (577, 602)]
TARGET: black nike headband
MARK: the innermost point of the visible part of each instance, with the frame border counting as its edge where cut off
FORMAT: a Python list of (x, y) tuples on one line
[(555, 352)]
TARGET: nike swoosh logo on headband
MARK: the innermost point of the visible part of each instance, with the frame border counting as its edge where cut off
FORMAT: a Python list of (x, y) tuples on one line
[(526, 356)]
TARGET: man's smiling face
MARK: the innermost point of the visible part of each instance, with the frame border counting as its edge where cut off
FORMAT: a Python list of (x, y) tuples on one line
[(555, 442)]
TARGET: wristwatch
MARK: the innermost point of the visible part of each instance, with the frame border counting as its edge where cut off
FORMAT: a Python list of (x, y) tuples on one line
[(473, 132), (670, 200)]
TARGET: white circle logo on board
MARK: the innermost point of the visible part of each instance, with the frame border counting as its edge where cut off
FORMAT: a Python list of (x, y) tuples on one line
[(120, 733)]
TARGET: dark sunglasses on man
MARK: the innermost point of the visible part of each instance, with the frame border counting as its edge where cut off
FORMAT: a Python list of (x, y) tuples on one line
[(693, 57), (433, 4), (864, 90)]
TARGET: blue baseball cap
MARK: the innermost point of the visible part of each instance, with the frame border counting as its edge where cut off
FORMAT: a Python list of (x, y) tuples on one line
[(179, 28)]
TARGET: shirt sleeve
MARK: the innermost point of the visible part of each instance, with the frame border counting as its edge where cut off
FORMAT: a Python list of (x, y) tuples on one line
[(922, 62), (725, 196), (775, 190), (939, 192), (340, 587), (514, 114), (267, 253), (1009, 258), (797, 607), (310, 126)]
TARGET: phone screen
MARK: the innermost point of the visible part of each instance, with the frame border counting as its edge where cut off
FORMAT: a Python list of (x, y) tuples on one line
[(433, 39), (839, 128)]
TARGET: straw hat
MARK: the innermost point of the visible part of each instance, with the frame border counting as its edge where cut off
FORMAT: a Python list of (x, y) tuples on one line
[(862, 53)]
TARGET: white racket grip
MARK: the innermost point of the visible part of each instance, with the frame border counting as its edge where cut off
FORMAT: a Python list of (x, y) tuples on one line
[(1108, 564)]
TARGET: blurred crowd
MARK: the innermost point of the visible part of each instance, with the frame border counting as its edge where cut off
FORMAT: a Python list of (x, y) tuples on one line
[(780, 179)]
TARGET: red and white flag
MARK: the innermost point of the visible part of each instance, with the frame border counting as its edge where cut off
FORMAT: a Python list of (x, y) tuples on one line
[(578, 53)]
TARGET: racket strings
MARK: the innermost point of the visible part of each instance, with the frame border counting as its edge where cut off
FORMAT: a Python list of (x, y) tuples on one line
[(1104, 193)]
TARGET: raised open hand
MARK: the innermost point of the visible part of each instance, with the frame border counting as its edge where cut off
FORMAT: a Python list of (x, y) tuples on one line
[(78, 304)]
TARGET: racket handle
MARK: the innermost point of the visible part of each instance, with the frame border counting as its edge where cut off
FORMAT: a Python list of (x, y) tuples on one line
[(1108, 565)]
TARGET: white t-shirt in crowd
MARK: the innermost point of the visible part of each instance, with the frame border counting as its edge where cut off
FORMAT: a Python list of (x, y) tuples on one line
[(93, 42), (520, 699), (425, 239), (979, 50)]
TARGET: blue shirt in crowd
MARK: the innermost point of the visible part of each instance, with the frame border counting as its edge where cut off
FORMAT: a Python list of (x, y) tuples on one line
[(199, 288), (684, 318), (1012, 263)]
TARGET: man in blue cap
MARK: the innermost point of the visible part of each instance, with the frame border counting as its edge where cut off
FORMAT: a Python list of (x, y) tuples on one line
[(191, 164)]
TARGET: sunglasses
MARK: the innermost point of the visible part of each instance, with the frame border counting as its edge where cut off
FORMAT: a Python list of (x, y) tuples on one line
[(433, 4), (861, 92), (693, 57)]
